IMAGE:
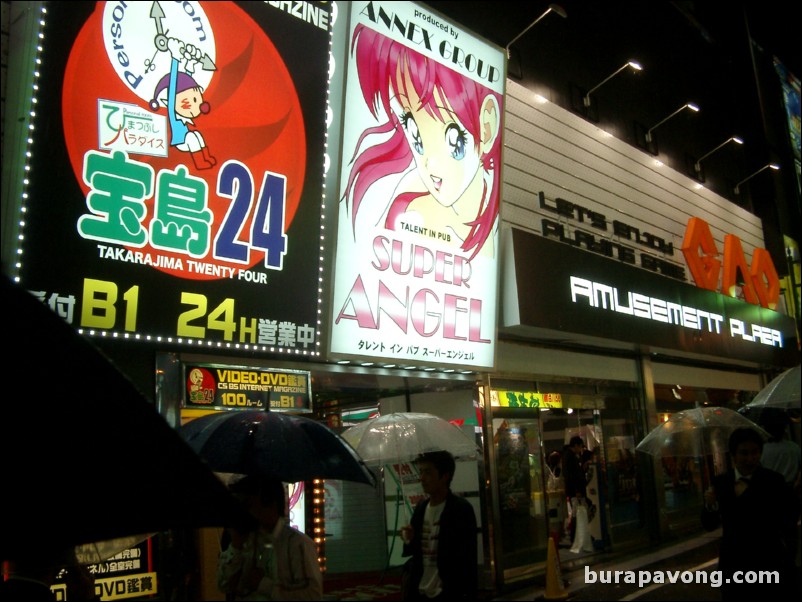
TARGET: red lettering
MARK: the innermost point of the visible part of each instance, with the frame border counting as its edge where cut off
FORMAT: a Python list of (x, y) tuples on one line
[(765, 279), (734, 262), (760, 282), (704, 266)]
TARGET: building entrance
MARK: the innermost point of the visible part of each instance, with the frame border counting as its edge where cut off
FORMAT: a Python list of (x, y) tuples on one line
[(530, 435)]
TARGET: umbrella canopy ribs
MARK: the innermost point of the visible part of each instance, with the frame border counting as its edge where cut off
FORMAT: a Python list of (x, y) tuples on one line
[(283, 446)]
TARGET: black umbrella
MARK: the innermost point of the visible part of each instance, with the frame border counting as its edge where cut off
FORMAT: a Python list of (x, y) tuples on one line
[(85, 456), (284, 446)]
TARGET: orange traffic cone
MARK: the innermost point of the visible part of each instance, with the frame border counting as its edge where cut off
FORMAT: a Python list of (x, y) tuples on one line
[(554, 579)]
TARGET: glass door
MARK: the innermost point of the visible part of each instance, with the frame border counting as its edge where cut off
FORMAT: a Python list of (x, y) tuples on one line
[(558, 427), (522, 503)]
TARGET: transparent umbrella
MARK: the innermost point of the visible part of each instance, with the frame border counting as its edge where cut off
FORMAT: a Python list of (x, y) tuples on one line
[(399, 437), (695, 432), (403, 436), (782, 392)]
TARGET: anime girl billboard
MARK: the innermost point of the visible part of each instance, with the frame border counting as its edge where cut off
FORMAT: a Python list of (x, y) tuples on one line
[(416, 266)]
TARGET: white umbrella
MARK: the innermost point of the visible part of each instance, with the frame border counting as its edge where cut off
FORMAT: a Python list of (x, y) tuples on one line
[(695, 432), (403, 436), (782, 392)]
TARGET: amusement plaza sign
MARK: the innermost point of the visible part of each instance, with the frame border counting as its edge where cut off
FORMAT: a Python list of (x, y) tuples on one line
[(758, 281)]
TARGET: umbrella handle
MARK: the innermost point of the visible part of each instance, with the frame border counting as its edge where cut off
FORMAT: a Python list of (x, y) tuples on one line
[(399, 500), (395, 526), (400, 487)]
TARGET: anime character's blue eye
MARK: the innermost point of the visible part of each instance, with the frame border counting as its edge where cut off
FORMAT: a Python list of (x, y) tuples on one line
[(456, 138), (411, 127)]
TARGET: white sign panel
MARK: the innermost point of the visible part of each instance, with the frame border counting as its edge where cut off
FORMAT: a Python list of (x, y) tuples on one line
[(417, 253)]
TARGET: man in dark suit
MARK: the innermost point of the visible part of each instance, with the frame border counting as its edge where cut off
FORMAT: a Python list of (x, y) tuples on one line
[(750, 504), (441, 537), (575, 481)]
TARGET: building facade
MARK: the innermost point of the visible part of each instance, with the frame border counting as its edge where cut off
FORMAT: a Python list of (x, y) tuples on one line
[(613, 286)]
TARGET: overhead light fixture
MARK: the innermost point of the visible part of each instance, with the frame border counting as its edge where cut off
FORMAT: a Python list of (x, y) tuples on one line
[(633, 64), (553, 8), (688, 105), (770, 165), (698, 165)]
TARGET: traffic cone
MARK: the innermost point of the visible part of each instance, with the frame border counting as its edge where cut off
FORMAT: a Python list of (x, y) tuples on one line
[(555, 590)]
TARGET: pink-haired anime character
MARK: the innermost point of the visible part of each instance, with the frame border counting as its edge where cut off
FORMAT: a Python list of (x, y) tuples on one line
[(441, 131)]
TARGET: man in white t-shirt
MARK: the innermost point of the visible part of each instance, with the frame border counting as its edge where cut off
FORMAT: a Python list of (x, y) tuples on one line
[(441, 537)]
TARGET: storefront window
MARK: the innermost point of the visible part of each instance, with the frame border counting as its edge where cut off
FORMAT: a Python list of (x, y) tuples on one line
[(621, 425), (363, 523), (531, 427), (685, 478), (522, 502), (559, 426)]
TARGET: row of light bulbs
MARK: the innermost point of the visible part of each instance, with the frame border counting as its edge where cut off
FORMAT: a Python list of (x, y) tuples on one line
[(636, 66)]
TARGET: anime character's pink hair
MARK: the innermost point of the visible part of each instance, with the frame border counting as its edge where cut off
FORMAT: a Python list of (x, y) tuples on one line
[(378, 59)]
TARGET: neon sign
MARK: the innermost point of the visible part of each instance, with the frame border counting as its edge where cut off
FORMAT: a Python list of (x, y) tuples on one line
[(760, 282)]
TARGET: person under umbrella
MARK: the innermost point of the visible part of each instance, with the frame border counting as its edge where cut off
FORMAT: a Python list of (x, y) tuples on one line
[(755, 515), (576, 491), (287, 447), (784, 456), (441, 537), (780, 453), (271, 560)]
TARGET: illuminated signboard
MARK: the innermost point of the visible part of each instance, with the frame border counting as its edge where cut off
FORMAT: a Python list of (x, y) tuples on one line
[(216, 387), (176, 172), (758, 282), (524, 399), (566, 289), (417, 245), (128, 574)]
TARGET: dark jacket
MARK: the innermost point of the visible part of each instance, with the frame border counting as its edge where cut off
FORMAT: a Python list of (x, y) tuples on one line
[(754, 526), (457, 557), (575, 480)]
